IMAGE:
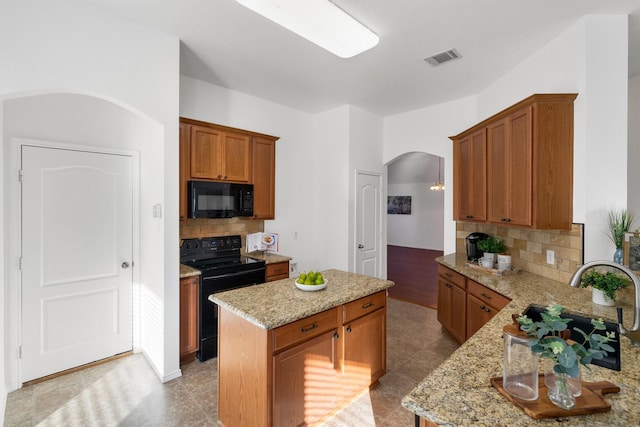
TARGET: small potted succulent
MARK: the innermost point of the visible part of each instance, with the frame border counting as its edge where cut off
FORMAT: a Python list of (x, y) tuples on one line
[(491, 246), (605, 285)]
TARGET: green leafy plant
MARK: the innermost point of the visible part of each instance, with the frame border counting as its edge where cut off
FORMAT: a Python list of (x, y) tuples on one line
[(551, 341), (607, 282), (620, 221), (492, 245)]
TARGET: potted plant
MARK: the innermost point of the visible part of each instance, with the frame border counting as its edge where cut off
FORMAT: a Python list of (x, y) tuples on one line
[(551, 341), (491, 246), (620, 221), (604, 284)]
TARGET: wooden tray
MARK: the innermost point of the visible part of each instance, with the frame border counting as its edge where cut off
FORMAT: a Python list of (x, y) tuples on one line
[(495, 271), (590, 402)]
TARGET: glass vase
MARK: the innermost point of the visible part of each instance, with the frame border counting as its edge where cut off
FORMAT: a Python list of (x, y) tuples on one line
[(550, 377), (617, 256), (560, 393)]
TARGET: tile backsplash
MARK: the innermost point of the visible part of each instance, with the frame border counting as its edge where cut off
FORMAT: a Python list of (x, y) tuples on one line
[(528, 248), (205, 227)]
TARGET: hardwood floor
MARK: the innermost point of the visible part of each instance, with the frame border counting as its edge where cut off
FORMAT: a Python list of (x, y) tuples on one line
[(415, 273)]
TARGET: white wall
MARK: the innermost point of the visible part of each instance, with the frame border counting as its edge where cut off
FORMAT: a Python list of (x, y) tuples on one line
[(633, 159), (427, 130), (423, 228), (590, 58), (70, 47)]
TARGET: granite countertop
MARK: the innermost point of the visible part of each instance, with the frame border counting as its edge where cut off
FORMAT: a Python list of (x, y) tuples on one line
[(274, 304), (268, 257), (186, 271), (458, 392)]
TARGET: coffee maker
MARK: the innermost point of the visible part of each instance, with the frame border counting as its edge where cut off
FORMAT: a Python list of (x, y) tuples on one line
[(473, 253)]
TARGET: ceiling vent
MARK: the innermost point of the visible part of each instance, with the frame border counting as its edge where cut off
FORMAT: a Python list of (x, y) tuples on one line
[(440, 58)]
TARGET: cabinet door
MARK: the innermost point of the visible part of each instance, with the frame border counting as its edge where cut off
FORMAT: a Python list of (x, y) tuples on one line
[(520, 167), (264, 173), (185, 169), (478, 313), (364, 354), (236, 149), (452, 309), (206, 153), (277, 271), (306, 381), (470, 175), (509, 169), (189, 307)]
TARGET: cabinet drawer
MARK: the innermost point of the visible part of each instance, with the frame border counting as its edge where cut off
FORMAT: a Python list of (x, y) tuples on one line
[(365, 305), (278, 269), (487, 295), (451, 276), (305, 329)]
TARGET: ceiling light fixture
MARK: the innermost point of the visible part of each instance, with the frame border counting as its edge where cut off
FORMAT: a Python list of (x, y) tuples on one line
[(439, 185), (318, 21)]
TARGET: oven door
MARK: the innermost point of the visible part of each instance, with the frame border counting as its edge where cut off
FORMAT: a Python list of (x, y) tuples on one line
[(208, 322)]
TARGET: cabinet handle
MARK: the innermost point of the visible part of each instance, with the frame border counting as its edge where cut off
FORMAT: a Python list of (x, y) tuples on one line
[(310, 328), (485, 295), (348, 328), (367, 305)]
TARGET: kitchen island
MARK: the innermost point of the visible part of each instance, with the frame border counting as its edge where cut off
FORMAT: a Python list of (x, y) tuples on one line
[(290, 357), (458, 392)]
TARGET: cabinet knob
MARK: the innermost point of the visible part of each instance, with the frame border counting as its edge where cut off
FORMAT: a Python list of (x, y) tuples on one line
[(335, 335), (348, 328), (469, 216)]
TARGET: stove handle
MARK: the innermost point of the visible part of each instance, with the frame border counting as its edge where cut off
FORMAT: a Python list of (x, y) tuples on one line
[(222, 276)]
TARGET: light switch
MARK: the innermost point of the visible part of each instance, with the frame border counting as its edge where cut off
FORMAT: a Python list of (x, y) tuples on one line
[(551, 257)]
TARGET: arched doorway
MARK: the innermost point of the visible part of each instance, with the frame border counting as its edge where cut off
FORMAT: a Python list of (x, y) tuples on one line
[(415, 226)]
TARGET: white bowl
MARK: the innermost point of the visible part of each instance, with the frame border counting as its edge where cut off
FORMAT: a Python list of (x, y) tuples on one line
[(311, 288)]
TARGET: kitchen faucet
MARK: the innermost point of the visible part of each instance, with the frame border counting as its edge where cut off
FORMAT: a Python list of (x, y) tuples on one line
[(634, 333)]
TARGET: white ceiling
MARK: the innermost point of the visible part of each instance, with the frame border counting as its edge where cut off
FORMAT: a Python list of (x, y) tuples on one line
[(230, 46)]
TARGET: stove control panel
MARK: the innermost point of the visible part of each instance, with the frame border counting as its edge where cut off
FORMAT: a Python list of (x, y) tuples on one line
[(209, 246)]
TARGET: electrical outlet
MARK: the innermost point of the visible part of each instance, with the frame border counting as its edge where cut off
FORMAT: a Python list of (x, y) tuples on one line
[(551, 257), (295, 235)]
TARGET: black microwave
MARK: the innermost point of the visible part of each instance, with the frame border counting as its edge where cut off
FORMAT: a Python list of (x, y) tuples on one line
[(209, 199)]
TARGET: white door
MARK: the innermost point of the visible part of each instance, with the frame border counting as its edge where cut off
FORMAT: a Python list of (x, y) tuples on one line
[(76, 219), (368, 233)]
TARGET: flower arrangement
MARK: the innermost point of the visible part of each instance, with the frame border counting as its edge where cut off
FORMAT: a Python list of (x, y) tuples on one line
[(608, 282), (551, 341), (491, 245), (620, 221)]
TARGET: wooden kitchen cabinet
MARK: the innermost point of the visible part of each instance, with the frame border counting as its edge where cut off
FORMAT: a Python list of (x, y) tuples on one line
[(529, 164), (185, 169), (482, 304), (264, 177), (300, 372), (364, 342), (277, 271), (189, 309), (212, 152), (220, 155), (452, 302), (470, 177)]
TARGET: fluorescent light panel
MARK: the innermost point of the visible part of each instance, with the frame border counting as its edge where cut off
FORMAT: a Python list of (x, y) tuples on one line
[(318, 21)]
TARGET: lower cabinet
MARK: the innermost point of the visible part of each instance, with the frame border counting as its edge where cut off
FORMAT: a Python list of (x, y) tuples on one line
[(301, 372), (306, 381), (189, 306), (277, 271), (452, 303), (464, 305)]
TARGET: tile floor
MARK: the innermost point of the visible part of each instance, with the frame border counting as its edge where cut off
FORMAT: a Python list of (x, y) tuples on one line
[(126, 392)]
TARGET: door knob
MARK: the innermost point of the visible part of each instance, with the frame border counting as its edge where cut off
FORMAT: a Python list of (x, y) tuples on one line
[(124, 265), (360, 246)]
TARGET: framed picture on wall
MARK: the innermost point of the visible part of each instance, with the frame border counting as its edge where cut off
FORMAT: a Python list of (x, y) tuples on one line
[(399, 205), (631, 250)]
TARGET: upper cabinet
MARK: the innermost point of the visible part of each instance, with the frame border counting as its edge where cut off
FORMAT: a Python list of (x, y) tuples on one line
[(516, 168), (211, 152)]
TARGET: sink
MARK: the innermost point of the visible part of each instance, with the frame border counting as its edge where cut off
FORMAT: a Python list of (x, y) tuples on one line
[(612, 361)]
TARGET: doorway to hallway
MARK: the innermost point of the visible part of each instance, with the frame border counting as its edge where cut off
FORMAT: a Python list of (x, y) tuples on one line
[(415, 273)]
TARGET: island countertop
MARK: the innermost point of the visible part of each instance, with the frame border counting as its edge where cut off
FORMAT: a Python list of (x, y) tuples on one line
[(458, 392), (274, 304)]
